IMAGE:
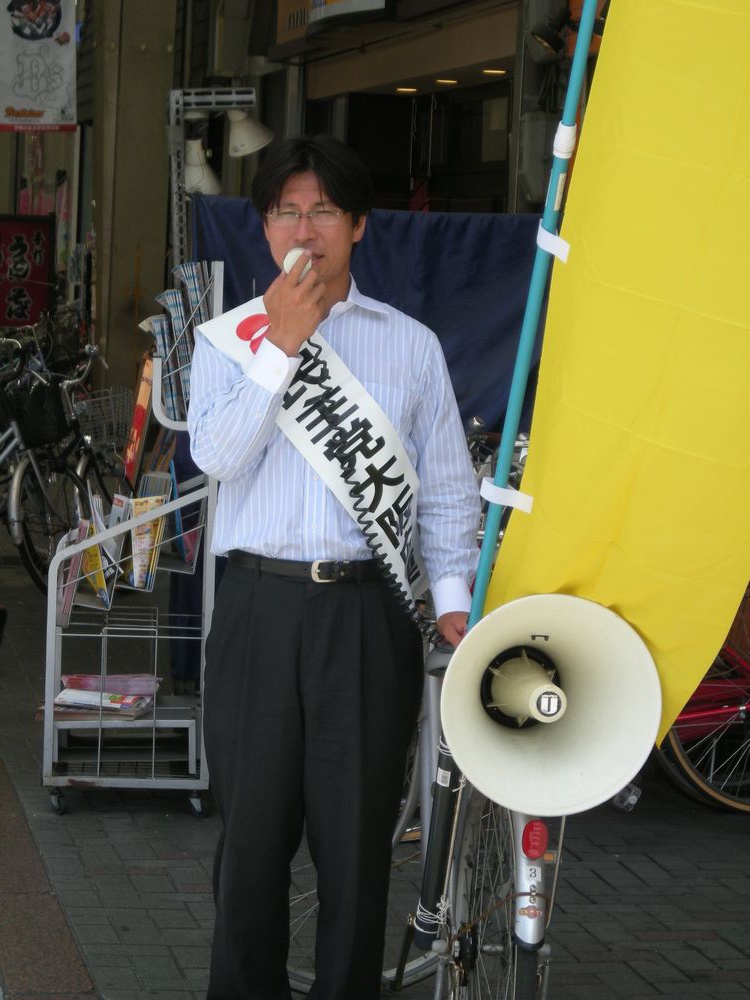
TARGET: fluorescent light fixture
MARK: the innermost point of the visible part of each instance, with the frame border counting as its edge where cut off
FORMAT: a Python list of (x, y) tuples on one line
[(446, 82), (494, 72), (406, 90)]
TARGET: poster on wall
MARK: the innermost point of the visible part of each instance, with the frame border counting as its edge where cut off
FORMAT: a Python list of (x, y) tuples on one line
[(27, 268), (37, 65)]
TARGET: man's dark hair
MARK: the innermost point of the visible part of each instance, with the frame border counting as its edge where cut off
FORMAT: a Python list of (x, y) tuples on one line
[(342, 175)]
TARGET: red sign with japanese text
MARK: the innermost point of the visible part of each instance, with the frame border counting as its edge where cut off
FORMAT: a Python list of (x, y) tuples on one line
[(27, 268)]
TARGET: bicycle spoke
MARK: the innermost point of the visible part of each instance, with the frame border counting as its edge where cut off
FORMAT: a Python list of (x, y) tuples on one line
[(707, 751)]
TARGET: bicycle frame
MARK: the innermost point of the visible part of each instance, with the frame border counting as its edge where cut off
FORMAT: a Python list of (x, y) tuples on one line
[(716, 700), (10, 443)]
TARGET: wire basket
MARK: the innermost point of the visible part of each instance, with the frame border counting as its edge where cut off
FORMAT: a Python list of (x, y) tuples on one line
[(105, 415)]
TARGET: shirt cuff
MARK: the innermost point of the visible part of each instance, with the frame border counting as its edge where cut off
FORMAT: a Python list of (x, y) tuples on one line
[(451, 594), (271, 368)]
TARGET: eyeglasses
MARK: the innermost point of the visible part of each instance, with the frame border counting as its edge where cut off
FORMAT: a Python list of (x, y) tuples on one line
[(317, 217)]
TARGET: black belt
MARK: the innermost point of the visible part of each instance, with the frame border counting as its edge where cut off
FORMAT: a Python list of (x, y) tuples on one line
[(319, 571)]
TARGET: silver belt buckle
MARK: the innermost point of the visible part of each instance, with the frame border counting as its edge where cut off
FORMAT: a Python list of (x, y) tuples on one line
[(315, 571)]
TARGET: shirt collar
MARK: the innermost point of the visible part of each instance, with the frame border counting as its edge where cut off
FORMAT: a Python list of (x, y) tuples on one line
[(356, 298)]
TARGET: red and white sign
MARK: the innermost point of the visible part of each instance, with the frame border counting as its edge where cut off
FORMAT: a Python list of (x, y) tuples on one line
[(27, 268)]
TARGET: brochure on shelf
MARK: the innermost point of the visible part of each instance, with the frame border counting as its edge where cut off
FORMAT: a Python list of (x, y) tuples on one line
[(145, 541), (71, 573), (141, 414), (74, 702), (160, 328), (119, 512), (131, 684), (99, 565), (93, 570), (188, 524)]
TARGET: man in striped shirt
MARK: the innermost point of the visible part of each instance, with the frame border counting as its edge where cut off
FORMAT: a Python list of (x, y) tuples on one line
[(312, 690)]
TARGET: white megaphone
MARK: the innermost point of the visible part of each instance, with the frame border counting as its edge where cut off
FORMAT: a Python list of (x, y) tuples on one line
[(551, 704)]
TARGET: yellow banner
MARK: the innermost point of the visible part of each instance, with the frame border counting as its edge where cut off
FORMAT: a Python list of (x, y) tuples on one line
[(640, 444)]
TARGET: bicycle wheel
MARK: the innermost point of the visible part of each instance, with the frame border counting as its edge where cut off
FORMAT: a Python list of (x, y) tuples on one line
[(405, 885), (44, 509), (490, 964), (707, 750)]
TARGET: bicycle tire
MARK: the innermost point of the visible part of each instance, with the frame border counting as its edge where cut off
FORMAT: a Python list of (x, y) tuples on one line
[(45, 511), (491, 964), (707, 750), (675, 773), (405, 883)]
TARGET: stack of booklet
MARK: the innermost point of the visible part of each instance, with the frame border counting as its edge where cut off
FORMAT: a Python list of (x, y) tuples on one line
[(127, 696)]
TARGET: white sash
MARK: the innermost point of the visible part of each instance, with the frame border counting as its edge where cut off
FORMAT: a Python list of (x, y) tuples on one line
[(338, 428)]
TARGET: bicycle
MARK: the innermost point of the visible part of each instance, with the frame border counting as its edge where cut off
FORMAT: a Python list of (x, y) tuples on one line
[(50, 495), (47, 497), (706, 752)]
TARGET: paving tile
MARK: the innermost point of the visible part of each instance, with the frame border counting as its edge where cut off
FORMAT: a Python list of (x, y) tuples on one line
[(157, 970), (173, 919), (99, 933)]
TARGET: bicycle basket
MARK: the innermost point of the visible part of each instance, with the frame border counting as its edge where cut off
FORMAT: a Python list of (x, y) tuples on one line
[(104, 415), (42, 416)]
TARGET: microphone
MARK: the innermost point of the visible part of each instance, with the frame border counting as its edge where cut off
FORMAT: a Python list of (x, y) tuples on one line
[(291, 259)]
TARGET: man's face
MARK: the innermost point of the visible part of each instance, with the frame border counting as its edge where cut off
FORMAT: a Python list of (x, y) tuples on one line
[(331, 245)]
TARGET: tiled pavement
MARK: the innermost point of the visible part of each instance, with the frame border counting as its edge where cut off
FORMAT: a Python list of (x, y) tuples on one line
[(112, 899)]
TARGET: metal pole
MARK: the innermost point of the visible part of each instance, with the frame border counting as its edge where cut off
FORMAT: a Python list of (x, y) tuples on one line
[(564, 142)]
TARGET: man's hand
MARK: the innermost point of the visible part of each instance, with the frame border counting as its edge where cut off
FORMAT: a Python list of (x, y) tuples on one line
[(452, 626), (295, 307)]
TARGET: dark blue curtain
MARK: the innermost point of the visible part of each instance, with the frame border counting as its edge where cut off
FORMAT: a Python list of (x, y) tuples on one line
[(466, 276)]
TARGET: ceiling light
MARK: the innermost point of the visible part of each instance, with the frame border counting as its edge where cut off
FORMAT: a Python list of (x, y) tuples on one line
[(446, 81), (406, 90), (494, 72)]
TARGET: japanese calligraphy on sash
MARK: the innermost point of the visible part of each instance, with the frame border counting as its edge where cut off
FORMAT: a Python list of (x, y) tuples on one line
[(338, 428)]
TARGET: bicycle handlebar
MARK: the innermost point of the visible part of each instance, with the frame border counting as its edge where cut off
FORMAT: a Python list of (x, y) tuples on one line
[(87, 356)]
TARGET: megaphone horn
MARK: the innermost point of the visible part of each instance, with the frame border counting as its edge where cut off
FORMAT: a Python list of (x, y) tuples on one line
[(551, 704), (517, 688)]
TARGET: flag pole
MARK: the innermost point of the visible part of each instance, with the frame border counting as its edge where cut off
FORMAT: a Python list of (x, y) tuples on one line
[(547, 239)]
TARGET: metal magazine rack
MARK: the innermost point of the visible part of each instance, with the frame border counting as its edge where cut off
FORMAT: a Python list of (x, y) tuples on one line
[(110, 624)]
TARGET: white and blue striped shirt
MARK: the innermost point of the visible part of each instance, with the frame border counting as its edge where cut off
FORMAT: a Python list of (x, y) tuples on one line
[(271, 502)]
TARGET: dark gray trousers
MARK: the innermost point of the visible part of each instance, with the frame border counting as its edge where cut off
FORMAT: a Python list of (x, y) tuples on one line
[(311, 695)]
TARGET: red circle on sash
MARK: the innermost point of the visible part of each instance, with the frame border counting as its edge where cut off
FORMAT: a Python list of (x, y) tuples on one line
[(252, 328)]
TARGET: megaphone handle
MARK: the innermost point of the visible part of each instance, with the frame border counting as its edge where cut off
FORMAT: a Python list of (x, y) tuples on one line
[(446, 799)]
